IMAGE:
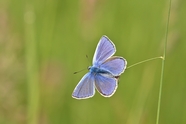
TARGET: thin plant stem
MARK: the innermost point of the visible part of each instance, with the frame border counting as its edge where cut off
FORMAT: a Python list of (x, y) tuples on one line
[(163, 64), (159, 57)]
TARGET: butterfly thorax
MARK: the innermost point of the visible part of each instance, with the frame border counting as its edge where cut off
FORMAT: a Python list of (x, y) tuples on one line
[(97, 70)]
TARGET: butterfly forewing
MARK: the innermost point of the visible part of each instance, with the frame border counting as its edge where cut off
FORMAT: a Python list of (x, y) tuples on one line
[(104, 50), (85, 88)]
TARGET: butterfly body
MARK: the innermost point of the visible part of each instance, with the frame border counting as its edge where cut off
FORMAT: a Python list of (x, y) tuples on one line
[(97, 70), (103, 74)]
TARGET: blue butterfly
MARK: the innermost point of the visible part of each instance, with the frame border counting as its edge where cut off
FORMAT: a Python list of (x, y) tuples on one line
[(104, 73)]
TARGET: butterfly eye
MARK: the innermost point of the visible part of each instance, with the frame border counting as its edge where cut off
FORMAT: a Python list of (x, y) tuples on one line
[(89, 67)]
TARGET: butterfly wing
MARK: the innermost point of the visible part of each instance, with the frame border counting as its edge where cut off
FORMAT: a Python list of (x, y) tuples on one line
[(85, 88), (104, 50), (106, 86), (115, 65)]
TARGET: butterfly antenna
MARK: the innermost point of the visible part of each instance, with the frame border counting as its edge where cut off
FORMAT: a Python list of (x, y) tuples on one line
[(84, 68), (88, 59), (79, 71)]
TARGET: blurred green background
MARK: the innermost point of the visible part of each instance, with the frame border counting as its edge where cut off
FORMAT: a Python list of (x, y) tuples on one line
[(42, 42)]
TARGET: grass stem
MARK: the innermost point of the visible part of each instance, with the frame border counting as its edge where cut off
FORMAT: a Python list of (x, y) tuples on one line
[(163, 64), (159, 57)]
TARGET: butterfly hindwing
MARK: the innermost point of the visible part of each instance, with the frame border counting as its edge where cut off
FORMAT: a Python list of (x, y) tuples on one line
[(106, 86), (115, 65)]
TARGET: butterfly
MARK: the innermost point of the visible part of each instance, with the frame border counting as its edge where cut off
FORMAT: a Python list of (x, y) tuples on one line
[(103, 74)]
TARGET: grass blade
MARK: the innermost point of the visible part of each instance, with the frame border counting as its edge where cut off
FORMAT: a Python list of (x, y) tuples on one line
[(32, 67)]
